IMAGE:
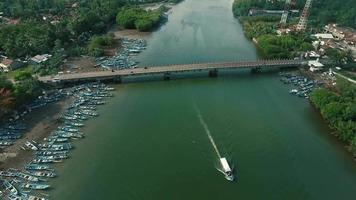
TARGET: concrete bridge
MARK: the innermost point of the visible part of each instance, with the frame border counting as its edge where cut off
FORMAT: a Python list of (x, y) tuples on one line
[(166, 71)]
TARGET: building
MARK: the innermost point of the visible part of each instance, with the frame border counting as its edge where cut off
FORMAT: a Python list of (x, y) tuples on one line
[(346, 36), (7, 65), (315, 65), (324, 36), (40, 58), (311, 54)]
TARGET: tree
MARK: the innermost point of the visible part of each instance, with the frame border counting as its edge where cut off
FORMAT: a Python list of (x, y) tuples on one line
[(322, 97), (23, 76), (5, 83), (333, 111), (134, 17)]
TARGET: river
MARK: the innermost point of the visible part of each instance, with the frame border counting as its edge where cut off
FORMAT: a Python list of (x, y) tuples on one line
[(149, 142)]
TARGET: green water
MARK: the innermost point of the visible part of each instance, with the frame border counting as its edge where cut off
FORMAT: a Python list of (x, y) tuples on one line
[(149, 143)]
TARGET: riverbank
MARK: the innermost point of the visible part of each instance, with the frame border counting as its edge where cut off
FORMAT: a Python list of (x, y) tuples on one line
[(262, 31), (333, 102), (265, 141), (49, 140), (89, 63), (265, 31), (40, 123)]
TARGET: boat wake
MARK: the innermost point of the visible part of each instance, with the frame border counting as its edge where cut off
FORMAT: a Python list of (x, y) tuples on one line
[(225, 167), (207, 131)]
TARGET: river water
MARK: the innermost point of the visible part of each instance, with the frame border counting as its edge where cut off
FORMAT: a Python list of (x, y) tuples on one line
[(149, 142)]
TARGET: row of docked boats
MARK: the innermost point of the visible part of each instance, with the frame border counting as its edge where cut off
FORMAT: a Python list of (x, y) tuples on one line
[(303, 86), (124, 58), (14, 128), (31, 182)]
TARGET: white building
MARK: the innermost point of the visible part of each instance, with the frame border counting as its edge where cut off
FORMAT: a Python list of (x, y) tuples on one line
[(315, 65), (41, 58)]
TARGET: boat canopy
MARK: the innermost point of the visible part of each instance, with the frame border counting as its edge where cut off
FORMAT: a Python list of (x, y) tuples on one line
[(225, 165)]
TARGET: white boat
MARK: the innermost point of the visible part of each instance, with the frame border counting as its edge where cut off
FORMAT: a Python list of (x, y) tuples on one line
[(10, 187), (35, 186), (31, 146), (27, 177), (36, 198), (226, 169)]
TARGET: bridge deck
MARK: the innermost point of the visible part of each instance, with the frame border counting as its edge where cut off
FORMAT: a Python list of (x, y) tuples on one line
[(172, 69)]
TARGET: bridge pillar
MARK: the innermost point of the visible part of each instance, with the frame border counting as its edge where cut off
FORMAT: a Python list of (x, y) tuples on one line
[(256, 70), (166, 76), (213, 73)]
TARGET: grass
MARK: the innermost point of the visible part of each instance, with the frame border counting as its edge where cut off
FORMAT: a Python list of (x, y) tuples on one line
[(14, 73)]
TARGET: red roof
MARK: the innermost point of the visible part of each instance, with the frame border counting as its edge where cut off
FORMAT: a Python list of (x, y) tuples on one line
[(7, 62)]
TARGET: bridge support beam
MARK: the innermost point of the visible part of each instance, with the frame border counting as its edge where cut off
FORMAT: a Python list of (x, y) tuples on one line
[(166, 76), (256, 70), (213, 73)]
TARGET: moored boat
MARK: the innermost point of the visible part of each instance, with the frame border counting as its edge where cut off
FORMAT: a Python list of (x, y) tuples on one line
[(10, 187), (35, 186), (38, 167)]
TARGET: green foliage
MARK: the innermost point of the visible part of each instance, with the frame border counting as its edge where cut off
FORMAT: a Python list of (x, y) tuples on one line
[(322, 12), (331, 11), (321, 97), (35, 36), (97, 43), (336, 55), (339, 109), (27, 38), (241, 7), (23, 75), (26, 90), (134, 17), (5, 83), (286, 46), (257, 26), (263, 29)]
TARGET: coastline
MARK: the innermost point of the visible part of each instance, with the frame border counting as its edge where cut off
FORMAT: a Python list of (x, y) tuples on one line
[(40, 123), (334, 132)]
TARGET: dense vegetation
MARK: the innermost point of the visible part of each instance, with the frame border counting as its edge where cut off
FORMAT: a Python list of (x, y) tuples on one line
[(263, 29), (255, 27), (142, 20), (43, 22), (12, 95), (61, 28), (339, 109), (322, 12), (74, 27), (98, 43), (331, 11), (285, 46)]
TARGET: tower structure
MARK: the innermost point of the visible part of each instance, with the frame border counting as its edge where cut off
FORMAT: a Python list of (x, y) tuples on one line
[(304, 17), (285, 14)]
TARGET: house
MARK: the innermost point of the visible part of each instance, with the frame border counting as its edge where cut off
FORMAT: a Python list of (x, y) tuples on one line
[(315, 65), (7, 65), (324, 36), (40, 58), (311, 54)]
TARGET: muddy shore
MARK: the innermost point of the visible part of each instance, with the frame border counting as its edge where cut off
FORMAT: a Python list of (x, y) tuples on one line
[(40, 123)]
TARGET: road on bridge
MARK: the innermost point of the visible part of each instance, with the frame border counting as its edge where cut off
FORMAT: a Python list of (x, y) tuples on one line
[(101, 75)]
